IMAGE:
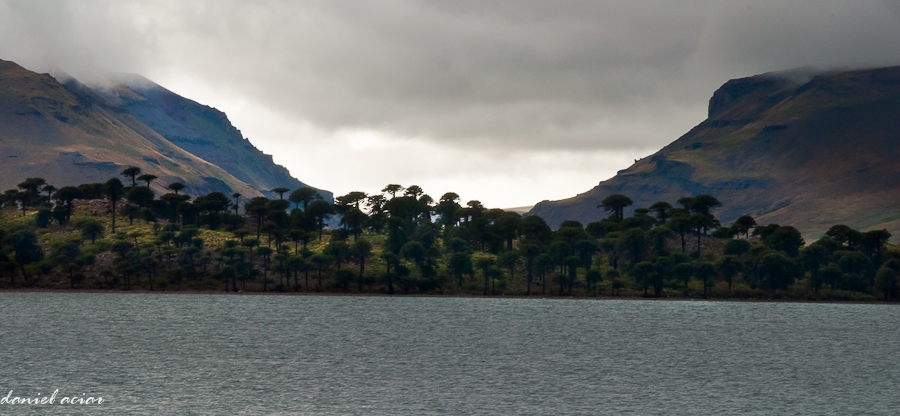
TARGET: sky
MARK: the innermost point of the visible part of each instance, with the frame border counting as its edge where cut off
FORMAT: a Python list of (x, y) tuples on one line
[(505, 102)]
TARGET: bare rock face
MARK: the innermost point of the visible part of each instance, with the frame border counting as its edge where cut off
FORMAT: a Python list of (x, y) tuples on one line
[(796, 147)]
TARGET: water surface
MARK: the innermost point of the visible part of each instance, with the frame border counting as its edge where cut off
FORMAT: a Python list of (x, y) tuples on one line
[(218, 354)]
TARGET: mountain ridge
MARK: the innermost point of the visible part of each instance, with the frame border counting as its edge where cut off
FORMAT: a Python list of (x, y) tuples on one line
[(810, 154), (67, 132)]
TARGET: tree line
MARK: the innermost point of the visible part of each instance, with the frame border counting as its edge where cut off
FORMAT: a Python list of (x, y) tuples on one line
[(403, 241)]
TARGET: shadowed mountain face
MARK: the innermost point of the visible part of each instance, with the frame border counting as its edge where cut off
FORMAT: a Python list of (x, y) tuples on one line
[(792, 148), (69, 133)]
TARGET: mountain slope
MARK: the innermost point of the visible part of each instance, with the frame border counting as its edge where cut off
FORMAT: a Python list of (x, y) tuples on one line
[(201, 130), (70, 134), (788, 147)]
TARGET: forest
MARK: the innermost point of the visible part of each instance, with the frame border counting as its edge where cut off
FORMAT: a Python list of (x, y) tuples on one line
[(120, 235)]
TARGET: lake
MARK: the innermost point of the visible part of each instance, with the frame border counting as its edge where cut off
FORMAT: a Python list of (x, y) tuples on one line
[(156, 354)]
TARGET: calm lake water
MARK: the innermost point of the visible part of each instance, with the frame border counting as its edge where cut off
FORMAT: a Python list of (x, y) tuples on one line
[(217, 354)]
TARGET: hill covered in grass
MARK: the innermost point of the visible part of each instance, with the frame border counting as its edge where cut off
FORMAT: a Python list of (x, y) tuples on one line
[(794, 147), (70, 133)]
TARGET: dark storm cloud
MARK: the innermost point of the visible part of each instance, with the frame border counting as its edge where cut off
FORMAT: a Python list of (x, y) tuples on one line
[(532, 75)]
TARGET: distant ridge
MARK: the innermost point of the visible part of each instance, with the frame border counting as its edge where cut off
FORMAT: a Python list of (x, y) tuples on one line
[(792, 147), (69, 133)]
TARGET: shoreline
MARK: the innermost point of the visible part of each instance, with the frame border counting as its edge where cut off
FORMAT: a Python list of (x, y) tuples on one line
[(419, 295)]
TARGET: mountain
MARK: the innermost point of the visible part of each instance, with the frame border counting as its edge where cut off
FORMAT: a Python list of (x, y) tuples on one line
[(70, 133), (793, 148)]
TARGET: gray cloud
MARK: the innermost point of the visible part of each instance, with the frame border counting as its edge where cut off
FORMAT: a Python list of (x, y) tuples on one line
[(536, 75)]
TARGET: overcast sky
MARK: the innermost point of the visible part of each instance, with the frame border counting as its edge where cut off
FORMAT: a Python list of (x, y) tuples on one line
[(507, 102)]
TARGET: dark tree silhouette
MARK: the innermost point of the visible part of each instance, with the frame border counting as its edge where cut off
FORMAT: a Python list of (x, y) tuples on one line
[(141, 196), (25, 247), (320, 210), (280, 191), (361, 250), (176, 187), (132, 172), (744, 224), (66, 195), (661, 209), (114, 191), (258, 207), (530, 251), (237, 201), (615, 205), (304, 196), (147, 178), (392, 189)]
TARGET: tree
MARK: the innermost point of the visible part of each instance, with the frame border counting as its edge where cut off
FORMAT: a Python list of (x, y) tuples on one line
[(353, 220), (510, 260), (705, 272), (680, 222), (530, 250), (844, 235), (786, 239), (813, 257), (615, 205), (71, 260), (873, 242), (662, 209), (140, 195), (361, 250), (26, 249), (258, 207), (729, 266), (304, 196), (320, 261), (352, 199), (132, 172), (176, 187), (507, 225), (147, 178), (390, 260), (392, 189), (744, 224), (592, 277), (266, 253), (737, 247), (534, 228), (91, 229), (66, 195), (49, 189), (778, 269), (701, 223), (114, 191), (484, 263), (644, 272), (320, 210), (280, 191), (448, 209), (886, 282), (458, 265), (32, 185), (634, 241), (683, 272), (131, 211), (700, 204), (237, 202), (343, 279)]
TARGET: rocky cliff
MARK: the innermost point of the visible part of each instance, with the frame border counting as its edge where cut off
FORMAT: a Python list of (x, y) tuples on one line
[(794, 147)]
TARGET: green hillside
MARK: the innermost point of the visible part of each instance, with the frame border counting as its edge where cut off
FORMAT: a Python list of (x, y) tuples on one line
[(787, 147)]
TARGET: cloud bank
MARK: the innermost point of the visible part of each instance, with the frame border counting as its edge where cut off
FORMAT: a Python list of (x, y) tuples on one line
[(510, 102)]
